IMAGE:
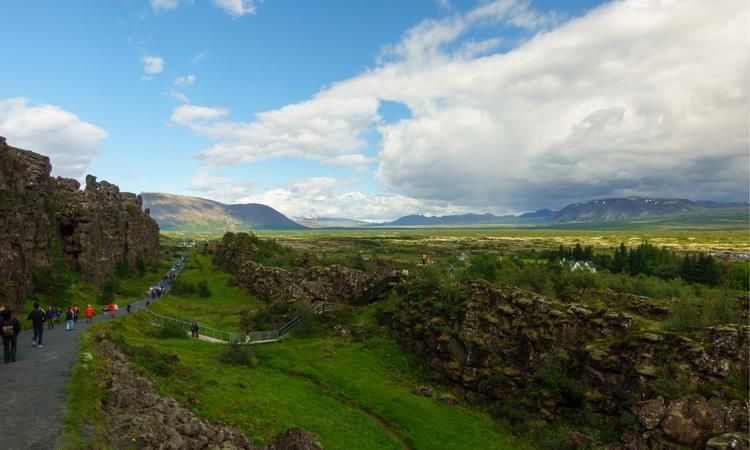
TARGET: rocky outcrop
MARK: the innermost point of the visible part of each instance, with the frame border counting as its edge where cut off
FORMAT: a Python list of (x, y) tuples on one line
[(332, 283), (136, 416), (516, 350), (95, 229)]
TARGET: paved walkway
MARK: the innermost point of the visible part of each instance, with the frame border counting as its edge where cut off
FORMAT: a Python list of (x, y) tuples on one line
[(33, 388)]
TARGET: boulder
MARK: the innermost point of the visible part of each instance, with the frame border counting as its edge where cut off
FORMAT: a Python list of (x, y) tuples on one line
[(649, 412), (677, 424)]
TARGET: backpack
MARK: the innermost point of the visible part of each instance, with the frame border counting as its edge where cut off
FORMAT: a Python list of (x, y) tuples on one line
[(8, 329)]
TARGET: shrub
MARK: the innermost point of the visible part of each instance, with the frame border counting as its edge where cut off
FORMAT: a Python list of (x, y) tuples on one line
[(238, 355), (311, 323), (150, 359), (183, 287), (169, 330), (140, 265), (202, 288), (691, 313)]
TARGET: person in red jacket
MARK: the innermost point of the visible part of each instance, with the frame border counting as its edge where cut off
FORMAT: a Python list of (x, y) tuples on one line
[(89, 313)]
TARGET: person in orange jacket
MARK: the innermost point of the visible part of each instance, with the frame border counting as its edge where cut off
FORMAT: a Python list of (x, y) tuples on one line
[(89, 313)]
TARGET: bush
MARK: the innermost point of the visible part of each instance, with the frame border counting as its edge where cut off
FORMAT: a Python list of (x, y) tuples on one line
[(140, 265), (691, 313), (311, 323), (150, 359), (239, 355), (170, 330), (182, 287), (202, 288)]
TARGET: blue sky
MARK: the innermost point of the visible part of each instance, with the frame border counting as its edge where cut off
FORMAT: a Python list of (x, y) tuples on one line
[(378, 109)]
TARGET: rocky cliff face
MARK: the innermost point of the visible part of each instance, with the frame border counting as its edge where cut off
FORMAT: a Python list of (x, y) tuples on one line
[(95, 229), (521, 352), (272, 284), (138, 417)]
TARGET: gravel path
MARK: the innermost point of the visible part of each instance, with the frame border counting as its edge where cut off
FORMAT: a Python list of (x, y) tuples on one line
[(33, 388)]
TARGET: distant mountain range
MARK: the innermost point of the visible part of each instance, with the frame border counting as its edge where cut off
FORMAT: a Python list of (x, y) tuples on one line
[(177, 212), (592, 211), (330, 222)]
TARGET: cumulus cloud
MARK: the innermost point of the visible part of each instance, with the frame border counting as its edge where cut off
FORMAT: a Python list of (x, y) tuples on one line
[(222, 189), (236, 8), (634, 97), (332, 197), (152, 65), (311, 130), (70, 143)]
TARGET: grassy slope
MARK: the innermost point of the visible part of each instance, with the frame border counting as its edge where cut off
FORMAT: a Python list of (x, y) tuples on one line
[(221, 310), (330, 386)]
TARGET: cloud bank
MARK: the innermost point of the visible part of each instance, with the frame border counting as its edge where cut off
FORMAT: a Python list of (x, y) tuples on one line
[(635, 97), (70, 143)]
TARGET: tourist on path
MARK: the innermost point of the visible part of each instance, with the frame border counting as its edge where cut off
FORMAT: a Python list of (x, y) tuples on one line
[(69, 319), (128, 308), (58, 315), (76, 312), (194, 329), (37, 318), (9, 329), (51, 317), (89, 313)]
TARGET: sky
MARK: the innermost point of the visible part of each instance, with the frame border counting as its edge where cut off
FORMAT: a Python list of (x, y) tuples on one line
[(378, 109)]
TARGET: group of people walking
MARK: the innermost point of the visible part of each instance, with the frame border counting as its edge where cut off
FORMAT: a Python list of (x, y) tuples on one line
[(10, 326)]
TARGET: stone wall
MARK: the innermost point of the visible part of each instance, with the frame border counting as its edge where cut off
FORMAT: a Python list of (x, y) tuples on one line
[(517, 351), (96, 229)]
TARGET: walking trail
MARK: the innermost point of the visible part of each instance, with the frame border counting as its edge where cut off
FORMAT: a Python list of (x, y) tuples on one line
[(33, 392)]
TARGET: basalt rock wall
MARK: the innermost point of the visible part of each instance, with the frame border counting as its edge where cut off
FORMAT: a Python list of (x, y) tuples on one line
[(93, 230), (272, 284), (519, 352)]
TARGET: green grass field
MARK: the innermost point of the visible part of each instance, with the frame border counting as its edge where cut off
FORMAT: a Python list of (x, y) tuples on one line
[(350, 394)]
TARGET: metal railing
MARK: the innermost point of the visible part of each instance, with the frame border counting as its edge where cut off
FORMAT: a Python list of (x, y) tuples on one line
[(220, 335)]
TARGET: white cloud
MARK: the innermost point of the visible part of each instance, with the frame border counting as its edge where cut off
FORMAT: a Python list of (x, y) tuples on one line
[(164, 5), (152, 65), (236, 8), (199, 56), (331, 197), (70, 142), (634, 97), (197, 116), (177, 95), (222, 189), (354, 159), (183, 82), (312, 130)]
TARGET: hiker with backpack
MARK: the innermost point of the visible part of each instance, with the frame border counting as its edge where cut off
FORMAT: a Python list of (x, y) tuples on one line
[(9, 328), (37, 318)]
